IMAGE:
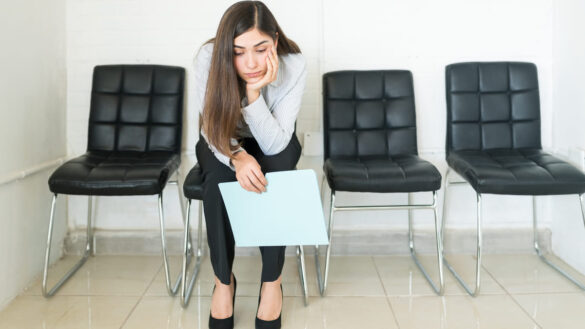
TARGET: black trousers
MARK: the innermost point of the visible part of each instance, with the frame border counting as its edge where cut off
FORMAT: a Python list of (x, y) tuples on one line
[(219, 233)]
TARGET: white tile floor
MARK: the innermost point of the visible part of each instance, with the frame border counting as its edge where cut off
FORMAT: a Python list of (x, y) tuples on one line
[(518, 291)]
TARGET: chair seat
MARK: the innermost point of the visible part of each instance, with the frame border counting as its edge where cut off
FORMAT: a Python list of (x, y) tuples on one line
[(517, 172), (401, 173), (193, 186), (115, 173)]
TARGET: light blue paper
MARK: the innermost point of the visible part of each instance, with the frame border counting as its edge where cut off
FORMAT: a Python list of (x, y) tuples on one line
[(289, 213)]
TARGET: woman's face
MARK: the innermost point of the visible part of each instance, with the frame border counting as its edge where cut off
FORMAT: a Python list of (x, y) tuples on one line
[(250, 52)]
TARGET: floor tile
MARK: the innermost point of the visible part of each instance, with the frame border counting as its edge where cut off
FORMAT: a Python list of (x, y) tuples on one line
[(362, 292), (166, 312), (528, 274), (485, 311), (330, 312), (64, 312), (555, 310), (401, 276), (104, 275), (348, 276), (247, 270)]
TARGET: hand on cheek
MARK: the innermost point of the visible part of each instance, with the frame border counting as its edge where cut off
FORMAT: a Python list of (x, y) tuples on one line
[(253, 88)]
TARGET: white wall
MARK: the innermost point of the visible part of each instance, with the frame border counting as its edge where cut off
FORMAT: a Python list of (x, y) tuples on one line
[(420, 35), (33, 109), (569, 135)]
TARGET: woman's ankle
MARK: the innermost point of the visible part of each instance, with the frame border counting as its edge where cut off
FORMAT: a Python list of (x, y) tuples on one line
[(219, 283)]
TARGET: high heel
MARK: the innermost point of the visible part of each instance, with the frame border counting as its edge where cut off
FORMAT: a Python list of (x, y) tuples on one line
[(227, 323), (272, 324)]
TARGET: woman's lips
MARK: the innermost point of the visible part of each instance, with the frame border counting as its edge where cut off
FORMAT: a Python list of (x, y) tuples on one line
[(253, 75)]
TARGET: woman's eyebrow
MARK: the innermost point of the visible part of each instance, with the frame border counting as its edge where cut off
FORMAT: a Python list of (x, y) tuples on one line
[(256, 45)]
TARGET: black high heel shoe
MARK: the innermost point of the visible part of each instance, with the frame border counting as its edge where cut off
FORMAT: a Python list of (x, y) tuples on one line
[(272, 324), (227, 323)]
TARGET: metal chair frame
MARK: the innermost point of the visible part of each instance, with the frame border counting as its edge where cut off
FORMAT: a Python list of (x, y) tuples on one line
[(438, 288), (475, 291), (90, 250)]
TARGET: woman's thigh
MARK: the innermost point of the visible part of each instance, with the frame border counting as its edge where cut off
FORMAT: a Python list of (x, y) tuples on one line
[(212, 169), (284, 160)]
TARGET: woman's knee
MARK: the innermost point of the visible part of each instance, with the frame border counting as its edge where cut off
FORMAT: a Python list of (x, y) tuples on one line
[(285, 160), (213, 178)]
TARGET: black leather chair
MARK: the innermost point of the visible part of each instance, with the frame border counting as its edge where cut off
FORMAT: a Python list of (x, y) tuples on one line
[(370, 145), (193, 190), (493, 142), (133, 148)]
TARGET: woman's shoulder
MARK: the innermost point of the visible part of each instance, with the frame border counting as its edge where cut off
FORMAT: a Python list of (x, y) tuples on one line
[(206, 48), (291, 67), (203, 55), (294, 62)]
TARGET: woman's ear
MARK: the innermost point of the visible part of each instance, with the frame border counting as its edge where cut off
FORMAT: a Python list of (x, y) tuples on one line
[(276, 40)]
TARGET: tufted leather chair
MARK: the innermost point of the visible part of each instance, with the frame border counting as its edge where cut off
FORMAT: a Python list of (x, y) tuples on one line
[(134, 143), (493, 138), (370, 145)]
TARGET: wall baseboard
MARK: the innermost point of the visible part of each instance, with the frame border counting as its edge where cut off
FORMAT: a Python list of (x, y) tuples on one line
[(345, 242)]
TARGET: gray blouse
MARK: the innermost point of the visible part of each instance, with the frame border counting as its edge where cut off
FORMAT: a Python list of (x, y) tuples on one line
[(271, 118)]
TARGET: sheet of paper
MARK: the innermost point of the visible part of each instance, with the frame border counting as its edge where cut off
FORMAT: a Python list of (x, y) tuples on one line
[(289, 212)]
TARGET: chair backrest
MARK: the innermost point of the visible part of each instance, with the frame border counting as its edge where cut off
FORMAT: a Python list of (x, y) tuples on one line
[(136, 108), (492, 105), (368, 114)]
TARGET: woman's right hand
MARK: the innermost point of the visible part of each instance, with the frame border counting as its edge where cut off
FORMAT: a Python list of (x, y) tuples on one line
[(249, 173)]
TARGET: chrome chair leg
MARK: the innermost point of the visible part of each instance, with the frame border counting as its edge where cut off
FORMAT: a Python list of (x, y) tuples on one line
[(322, 189), (322, 281), (538, 249), (84, 257), (187, 288), (302, 273), (441, 286), (171, 289), (89, 229), (182, 205), (475, 291)]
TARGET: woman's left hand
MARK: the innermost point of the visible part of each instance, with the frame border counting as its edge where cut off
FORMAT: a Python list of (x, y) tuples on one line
[(253, 90)]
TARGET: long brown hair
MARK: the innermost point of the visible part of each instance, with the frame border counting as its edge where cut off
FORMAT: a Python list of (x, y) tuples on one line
[(225, 89)]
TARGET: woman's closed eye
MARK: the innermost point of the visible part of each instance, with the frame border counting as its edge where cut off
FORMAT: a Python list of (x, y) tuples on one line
[(258, 51)]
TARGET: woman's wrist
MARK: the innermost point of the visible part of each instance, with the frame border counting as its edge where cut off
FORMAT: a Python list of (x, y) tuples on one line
[(252, 95), (236, 157)]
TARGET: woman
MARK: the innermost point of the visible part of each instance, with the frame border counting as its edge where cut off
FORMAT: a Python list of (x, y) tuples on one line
[(249, 81)]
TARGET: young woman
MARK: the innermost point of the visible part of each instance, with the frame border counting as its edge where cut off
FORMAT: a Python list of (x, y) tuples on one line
[(249, 81)]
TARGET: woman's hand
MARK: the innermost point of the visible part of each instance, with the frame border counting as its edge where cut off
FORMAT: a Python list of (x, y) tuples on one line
[(249, 173), (253, 90)]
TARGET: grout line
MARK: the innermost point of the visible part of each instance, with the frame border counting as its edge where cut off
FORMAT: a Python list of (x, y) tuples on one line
[(385, 292), (509, 295), (141, 297)]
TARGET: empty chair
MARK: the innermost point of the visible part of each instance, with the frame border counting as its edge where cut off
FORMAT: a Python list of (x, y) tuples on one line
[(133, 148), (493, 142), (370, 145)]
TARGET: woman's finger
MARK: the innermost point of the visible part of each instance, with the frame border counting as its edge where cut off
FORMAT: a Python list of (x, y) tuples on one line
[(274, 62), (260, 176), (269, 65), (254, 183), (243, 184), (256, 179)]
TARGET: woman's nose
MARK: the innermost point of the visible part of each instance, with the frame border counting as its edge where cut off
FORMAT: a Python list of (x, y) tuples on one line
[(251, 62)]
